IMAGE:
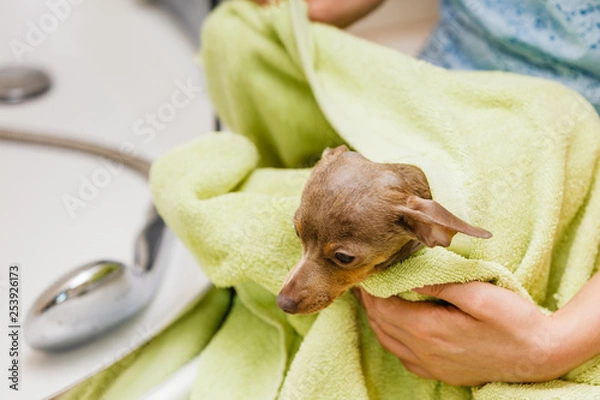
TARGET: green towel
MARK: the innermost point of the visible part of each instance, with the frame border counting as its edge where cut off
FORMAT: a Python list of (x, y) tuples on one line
[(516, 155), (143, 369)]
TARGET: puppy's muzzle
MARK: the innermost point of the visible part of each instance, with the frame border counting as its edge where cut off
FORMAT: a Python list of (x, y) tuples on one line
[(292, 292), (287, 304)]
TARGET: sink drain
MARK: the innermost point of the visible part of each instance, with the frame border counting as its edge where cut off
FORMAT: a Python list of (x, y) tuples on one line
[(18, 84)]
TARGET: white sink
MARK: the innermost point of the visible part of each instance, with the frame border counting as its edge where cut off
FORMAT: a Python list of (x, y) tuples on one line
[(123, 74)]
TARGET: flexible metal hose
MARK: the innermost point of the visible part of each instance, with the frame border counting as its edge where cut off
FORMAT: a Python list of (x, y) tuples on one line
[(136, 163)]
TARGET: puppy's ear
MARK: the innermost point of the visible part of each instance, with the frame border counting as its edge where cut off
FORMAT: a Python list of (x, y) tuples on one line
[(432, 224), (329, 152)]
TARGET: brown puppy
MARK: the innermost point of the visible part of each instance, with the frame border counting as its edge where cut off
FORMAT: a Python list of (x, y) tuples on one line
[(357, 217)]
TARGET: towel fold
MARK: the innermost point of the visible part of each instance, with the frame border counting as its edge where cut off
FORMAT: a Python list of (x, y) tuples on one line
[(516, 155)]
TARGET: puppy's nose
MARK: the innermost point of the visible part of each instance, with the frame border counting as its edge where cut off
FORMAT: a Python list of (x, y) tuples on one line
[(287, 304)]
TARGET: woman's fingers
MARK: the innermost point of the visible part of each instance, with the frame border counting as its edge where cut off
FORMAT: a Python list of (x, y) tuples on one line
[(388, 332), (417, 370), (481, 300), (391, 342), (402, 314), (406, 356)]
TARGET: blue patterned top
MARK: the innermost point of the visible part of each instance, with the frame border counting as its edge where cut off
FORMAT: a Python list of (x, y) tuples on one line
[(553, 39)]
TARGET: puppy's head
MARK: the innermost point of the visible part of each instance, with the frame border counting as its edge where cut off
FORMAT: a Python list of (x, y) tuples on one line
[(357, 217)]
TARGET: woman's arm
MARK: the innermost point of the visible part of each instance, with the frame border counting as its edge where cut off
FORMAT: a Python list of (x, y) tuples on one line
[(336, 12), (486, 333), (580, 322)]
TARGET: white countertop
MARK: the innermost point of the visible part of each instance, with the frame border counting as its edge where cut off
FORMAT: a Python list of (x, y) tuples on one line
[(114, 64)]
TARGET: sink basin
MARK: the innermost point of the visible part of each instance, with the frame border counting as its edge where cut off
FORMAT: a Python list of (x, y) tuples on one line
[(123, 75)]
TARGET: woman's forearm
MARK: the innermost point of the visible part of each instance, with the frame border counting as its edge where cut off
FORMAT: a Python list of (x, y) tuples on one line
[(579, 325), (340, 13), (336, 12)]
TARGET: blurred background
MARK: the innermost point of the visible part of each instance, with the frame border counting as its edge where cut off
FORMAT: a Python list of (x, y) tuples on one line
[(122, 73)]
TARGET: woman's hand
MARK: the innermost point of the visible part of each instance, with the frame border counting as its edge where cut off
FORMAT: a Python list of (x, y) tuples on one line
[(335, 12), (485, 334)]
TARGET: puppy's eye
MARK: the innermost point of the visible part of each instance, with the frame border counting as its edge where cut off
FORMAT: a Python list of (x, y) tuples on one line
[(344, 258)]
